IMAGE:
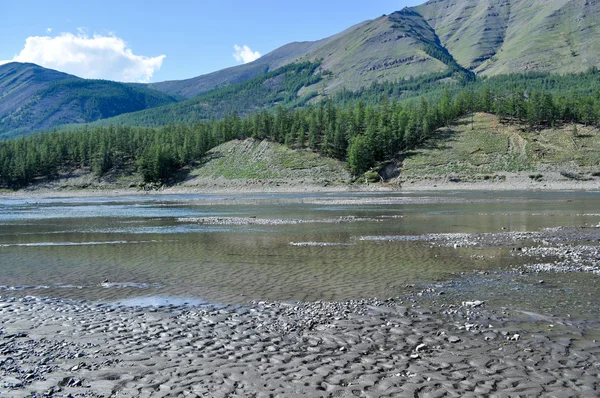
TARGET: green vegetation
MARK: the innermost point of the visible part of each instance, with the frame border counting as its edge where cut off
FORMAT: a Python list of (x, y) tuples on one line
[(361, 132), (266, 161), (499, 37), (79, 101), (483, 146), (417, 51), (279, 87)]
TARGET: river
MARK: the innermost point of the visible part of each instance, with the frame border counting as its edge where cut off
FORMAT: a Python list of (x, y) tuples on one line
[(230, 249)]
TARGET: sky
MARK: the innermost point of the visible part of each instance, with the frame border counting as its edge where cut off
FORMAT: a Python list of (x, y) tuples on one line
[(151, 41)]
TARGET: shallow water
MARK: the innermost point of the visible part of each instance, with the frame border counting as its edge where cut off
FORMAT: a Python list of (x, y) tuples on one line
[(218, 248)]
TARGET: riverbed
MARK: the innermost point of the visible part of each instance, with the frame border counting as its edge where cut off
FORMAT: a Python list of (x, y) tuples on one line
[(518, 267)]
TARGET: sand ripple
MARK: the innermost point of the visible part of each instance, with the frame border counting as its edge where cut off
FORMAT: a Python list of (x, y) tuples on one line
[(357, 348)]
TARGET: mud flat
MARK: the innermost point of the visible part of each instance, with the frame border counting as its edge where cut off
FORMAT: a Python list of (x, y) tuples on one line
[(396, 347)]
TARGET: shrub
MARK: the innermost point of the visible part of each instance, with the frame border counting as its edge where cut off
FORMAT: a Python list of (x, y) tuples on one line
[(372, 176)]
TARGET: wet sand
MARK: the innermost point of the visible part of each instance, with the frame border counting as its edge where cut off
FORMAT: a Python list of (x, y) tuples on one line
[(387, 348)]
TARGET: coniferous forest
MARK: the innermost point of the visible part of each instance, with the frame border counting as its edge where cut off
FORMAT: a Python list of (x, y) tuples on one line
[(361, 127)]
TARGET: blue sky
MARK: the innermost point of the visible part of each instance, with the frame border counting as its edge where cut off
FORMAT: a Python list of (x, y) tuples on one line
[(152, 41)]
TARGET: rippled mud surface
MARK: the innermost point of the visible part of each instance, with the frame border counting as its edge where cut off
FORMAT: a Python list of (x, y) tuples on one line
[(360, 348)]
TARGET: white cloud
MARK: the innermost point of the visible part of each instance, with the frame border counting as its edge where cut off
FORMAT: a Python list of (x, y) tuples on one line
[(95, 57), (245, 54), (49, 30)]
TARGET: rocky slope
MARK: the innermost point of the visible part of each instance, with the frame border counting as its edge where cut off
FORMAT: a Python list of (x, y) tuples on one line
[(503, 36), (488, 37)]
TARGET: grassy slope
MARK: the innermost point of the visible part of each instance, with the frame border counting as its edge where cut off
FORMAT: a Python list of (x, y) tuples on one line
[(489, 151), (263, 162), (471, 31), (506, 36), (289, 53), (385, 49), (247, 164), (492, 148), (487, 36), (19, 81), (375, 51), (267, 90)]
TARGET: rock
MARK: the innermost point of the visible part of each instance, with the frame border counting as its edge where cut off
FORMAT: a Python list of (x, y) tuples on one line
[(421, 348), (454, 339), (473, 304)]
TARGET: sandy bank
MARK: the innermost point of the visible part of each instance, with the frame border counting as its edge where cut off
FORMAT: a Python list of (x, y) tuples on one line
[(516, 182)]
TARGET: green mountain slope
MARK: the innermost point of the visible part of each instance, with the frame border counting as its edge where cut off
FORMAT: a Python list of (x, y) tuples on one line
[(279, 87), (438, 42), (35, 98), (289, 53), (18, 82), (387, 48), (495, 37), (486, 36), (264, 165), (397, 47), (483, 148)]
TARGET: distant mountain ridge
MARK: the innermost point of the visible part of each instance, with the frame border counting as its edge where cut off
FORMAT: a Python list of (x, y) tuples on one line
[(18, 82), (35, 98), (494, 37), (443, 40), (488, 37)]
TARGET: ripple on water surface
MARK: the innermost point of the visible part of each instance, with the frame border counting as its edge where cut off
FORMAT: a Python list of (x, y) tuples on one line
[(276, 247)]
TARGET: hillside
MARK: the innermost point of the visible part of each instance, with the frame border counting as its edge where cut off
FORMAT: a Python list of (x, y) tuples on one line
[(19, 82), (489, 37), (265, 165), (35, 98), (493, 37), (279, 87), (409, 52), (190, 88), (388, 48), (238, 165), (483, 149)]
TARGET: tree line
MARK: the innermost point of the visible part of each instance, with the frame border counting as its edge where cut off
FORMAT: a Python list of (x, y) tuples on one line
[(362, 132)]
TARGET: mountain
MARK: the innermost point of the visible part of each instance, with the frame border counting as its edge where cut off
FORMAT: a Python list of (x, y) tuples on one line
[(438, 42), (288, 85), (190, 88), (19, 82), (488, 37), (371, 51), (35, 98), (494, 37)]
